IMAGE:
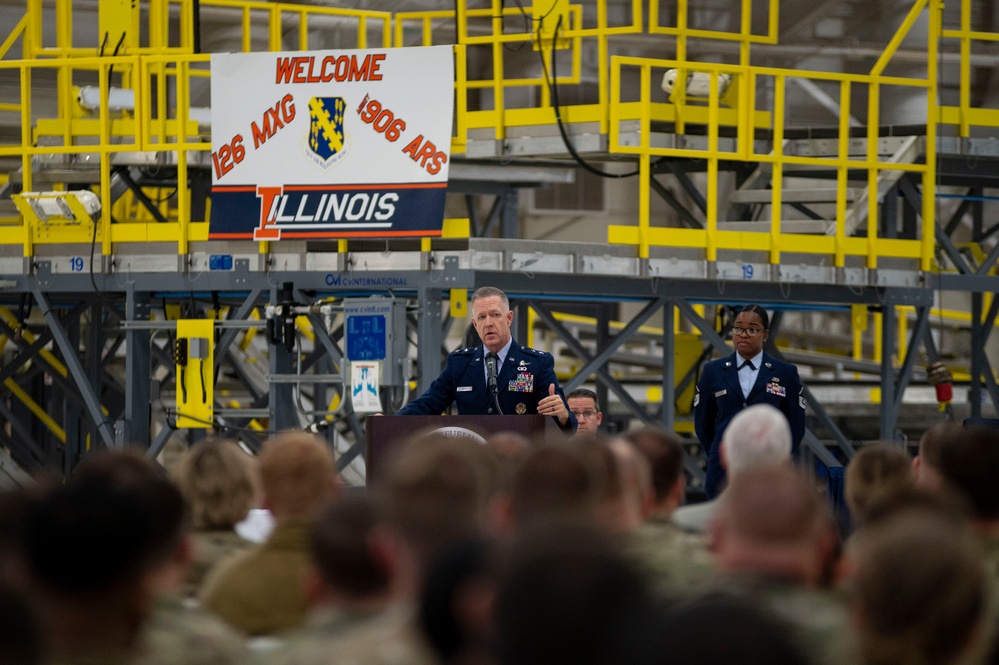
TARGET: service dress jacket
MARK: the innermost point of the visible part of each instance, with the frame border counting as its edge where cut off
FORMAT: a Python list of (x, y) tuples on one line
[(719, 397), (522, 382)]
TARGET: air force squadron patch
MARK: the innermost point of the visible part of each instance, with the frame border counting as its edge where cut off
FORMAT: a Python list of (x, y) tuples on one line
[(327, 143)]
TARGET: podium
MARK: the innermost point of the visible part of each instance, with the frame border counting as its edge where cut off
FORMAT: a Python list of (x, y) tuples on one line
[(384, 433)]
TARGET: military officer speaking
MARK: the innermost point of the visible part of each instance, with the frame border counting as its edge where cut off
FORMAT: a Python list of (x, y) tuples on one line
[(748, 376), (499, 377)]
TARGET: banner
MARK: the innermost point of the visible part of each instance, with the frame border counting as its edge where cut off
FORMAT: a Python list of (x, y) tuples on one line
[(330, 144)]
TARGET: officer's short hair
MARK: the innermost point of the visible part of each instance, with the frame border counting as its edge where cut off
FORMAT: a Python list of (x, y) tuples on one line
[(584, 392), (760, 312), (489, 292)]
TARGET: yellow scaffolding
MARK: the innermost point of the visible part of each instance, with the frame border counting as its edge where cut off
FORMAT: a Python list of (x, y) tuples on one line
[(165, 79)]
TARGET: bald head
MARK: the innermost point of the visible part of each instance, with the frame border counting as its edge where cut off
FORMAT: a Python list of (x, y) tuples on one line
[(771, 522)]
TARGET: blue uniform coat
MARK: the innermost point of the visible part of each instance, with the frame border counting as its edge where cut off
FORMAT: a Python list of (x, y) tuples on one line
[(719, 398), (523, 381)]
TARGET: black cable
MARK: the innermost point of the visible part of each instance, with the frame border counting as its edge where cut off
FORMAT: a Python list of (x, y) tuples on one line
[(553, 88), (204, 387), (113, 54)]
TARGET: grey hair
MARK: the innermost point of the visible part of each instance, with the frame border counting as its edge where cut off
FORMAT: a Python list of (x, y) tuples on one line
[(757, 437), (489, 292)]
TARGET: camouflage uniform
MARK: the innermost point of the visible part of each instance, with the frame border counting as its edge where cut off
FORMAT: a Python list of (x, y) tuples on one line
[(675, 561), (990, 556), (388, 638), (818, 616), (261, 591), (179, 634), (210, 547)]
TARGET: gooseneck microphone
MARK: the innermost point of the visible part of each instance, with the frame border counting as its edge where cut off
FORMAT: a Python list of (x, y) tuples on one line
[(491, 362)]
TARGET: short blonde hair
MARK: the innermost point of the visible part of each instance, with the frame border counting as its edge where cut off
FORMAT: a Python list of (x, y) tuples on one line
[(298, 473), (220, 483)]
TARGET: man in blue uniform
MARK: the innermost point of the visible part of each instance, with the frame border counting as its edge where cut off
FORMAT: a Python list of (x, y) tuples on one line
[(748, 376), (524, 379)]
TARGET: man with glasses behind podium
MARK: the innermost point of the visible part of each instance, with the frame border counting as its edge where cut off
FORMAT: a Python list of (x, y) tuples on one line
[(583, 404), (748, 376)]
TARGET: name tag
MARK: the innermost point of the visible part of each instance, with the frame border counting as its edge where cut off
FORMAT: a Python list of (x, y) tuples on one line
[(721, 392), (463, 389)]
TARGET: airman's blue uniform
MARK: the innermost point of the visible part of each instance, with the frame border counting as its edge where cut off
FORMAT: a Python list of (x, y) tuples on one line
[(719, 397), (523, 381)]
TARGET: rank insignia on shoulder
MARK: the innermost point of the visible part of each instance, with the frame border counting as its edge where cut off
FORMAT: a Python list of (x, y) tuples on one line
[(521, 409)]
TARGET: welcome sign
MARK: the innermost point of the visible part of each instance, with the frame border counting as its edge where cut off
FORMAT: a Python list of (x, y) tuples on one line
[(330, 144)]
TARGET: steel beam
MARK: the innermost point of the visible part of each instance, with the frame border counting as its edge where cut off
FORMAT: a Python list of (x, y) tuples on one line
[(75, 368), (919, 332), (281, 402), (229, 336), (888, 337), (138, 372), (599, 368), (428, 335), (668, 415)]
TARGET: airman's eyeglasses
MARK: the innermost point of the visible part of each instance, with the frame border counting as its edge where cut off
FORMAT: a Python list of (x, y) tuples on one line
[(751, 332)]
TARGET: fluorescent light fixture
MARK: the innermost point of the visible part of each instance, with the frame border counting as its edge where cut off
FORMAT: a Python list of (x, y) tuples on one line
[(119, 99), (698, 83), (62, 205)]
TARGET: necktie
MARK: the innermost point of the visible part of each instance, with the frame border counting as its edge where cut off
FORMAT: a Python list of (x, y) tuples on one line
[(749, 364)]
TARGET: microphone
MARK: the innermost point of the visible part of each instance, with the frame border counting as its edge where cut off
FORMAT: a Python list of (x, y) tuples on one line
[(491, 359)]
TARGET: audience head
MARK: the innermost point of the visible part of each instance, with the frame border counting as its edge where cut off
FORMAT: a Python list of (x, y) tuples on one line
[(298, 474), (757, 437), (147, 486), (458, 599), (436, 491), (613, 510), (969, 463), (14, 508), (875, 469), (95, 549), (926, 463), (635, 479), (554, 482), (772, 522), (918, 588), (343, 554), (664, 453), (583, 403), (21, 639), (566, 595), (688, 633), (220, 483)]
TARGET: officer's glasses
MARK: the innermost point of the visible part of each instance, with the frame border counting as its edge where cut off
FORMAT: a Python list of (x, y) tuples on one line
[(749, 332), (585, 414)]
